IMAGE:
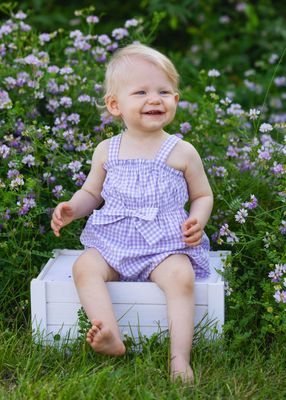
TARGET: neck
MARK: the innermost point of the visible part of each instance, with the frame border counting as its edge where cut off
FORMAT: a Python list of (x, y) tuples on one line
[(142, 136)]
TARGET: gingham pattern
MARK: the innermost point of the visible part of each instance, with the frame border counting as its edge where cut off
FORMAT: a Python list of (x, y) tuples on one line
[(140, 222)]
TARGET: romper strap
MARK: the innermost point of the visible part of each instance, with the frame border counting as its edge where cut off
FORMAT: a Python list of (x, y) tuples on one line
[(167, 147), (114, 145)]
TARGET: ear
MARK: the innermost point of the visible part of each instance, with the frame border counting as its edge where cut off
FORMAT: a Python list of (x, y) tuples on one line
[(112, 105), (177, 97)]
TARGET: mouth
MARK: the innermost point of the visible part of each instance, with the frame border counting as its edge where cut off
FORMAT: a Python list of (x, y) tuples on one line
[(154, 112)]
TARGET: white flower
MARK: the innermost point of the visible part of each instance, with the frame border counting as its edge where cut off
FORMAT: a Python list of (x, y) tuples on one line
[(241, 215), (253, 113), (213, 73), (265, 128)]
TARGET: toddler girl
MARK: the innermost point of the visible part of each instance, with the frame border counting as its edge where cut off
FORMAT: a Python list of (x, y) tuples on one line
[(145, 177)]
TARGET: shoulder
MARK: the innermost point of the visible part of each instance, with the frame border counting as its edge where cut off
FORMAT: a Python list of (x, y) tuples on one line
[(188, 153), (101, 151)]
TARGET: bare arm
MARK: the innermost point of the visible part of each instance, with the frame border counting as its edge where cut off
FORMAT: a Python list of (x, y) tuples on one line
[(85, 200), (200, 195)]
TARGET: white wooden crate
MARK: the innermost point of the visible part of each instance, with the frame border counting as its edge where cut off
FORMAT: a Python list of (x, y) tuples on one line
[(140, 307)]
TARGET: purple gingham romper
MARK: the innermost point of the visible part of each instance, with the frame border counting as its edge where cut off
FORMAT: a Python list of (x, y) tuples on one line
[(140, 222)]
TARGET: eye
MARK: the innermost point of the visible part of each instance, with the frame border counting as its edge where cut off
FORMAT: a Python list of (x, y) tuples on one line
[(164, 92), (140, 92)]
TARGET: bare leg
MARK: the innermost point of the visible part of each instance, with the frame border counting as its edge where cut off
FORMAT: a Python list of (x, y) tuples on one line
[(175, 276), (91, 272)]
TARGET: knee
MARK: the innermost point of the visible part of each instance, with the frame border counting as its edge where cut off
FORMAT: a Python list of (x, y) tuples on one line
[(181, 278), (79, 269)]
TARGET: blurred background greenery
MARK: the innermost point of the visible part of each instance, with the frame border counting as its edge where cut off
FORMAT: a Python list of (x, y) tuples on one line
[(231, 34)]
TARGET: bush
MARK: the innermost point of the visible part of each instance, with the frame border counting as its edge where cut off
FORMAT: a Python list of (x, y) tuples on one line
[(50, 123)]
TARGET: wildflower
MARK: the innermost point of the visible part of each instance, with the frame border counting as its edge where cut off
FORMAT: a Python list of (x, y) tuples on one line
[(58, 191), (280, 81), (66, 101), (273, 58), (282, 228), (277, 168), (217, 171), (265, 127), (75, 166), (79, 178), (119, 33), (66, 71), (185, 127), (264, 154), (280, 296), (228, 289), (25, 205), (4, 151), (226, 102), (268, 239), (253, 113), (20, 15), (84, 98), (18, 181), (29, 160), (92, 19), (131, 22), (213, 73), (241, 215), (5, 101), (231, 237), (252, 203), (104, 40), (53, 69), (74, 118), (210, 88), (52, 144), (235, 109), (31, 60), (224, 19), (44, 37), (52, 105)]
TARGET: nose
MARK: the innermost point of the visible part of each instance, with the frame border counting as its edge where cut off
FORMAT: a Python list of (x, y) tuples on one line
[(154, 98)]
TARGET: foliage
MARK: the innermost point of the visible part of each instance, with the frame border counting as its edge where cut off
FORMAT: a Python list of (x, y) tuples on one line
[(50, 122)]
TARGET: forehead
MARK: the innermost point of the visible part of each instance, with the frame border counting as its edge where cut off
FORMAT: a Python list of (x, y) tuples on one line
[(141, 71)]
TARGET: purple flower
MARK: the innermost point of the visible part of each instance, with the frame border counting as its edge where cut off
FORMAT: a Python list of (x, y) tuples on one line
[(75, 166), (66, 101), (58, 191), (84, 98), (252, 203), (185, 127), (278, 168), (29, 160), (5, 101), (119, 33), (104, 40), (241, 215), (282, 228), (79, 178), (4, 151), (92, 19), (74, 118)]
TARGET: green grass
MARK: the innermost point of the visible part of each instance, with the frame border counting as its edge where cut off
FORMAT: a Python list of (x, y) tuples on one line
[(31, 371)]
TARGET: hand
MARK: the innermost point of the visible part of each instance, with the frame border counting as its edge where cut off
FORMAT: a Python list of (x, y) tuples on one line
[(63, 214), (192, 232)]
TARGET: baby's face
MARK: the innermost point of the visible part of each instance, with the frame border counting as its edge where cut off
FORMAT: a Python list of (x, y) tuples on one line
[(145, 97)]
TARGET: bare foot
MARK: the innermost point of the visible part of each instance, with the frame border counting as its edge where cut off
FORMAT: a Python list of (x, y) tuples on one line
[(180, 368), (103, 341)]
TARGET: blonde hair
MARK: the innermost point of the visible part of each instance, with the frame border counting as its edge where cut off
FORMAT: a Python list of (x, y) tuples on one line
[(122, 57)]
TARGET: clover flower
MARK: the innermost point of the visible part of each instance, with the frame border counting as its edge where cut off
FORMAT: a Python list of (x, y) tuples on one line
[(18, 181), (5, 101), (4, 151), (75, 166), (58, 191), (185, 127), (280, 296), (265, 128), (241, 215), (66, 101), (253, 113), (131, 22), (214, 73), (92, 19), (29, 160), (231, 237), (119, 33), (282, 228), (104, 40), (26, 204), (252, 203)]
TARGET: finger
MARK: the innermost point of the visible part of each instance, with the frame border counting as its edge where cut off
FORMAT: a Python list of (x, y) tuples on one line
[(193, 238), (55, 229), (192, 231)]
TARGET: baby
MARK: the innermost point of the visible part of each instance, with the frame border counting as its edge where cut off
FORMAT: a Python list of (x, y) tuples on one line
[(145, 177)]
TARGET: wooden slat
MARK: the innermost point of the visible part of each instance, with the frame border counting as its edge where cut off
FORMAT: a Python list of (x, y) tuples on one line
[(121, 292)]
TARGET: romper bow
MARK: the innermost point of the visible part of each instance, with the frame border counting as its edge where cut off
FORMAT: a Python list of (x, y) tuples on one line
[(144, 220)]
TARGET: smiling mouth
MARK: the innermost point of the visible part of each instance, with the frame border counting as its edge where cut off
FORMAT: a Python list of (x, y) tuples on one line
[(154, 112)]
